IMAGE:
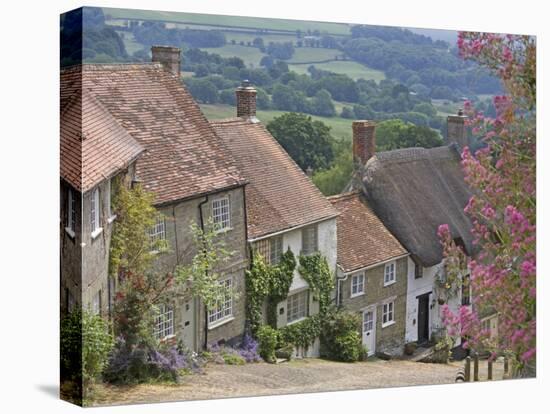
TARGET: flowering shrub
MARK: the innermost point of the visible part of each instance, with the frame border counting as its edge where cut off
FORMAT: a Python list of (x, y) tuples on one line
[(144, 362), (502, 175), (249, 349)]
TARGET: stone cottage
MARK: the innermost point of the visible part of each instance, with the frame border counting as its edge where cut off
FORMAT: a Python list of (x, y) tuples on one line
[(184, 164), (371, 276), (413, 191), (94, 150), (284, 209)]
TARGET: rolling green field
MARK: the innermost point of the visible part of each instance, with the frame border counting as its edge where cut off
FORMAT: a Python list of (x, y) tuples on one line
[(250, 55), (353, 69), (340, 127), (341, 29), (313, 54), (129, 42)]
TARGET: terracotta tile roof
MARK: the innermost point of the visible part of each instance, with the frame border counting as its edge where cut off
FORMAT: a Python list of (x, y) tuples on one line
[(280, 196), (93, 145), (184, 158), (363, 240)]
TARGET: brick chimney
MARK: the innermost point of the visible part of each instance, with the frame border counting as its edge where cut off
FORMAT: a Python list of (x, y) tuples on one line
[(456, 129), (246, 100), (364, 141), (169, 57)]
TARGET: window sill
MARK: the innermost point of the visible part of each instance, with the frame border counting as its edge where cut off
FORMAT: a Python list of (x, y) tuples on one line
[(356, 295), (385, 325), (167, 338), (390, 283), (97, 232), (70, 232), (111, 219), (225, 230), (221, 322), (296, 321)]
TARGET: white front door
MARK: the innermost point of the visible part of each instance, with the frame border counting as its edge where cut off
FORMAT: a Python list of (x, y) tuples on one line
[(369, 329), (188, 324)]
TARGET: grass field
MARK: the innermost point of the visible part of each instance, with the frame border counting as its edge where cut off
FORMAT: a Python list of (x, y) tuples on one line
[(340, 127), (229, 21), (313, 54), (353, 69), (445, 107), (250, 55), (129, 42)]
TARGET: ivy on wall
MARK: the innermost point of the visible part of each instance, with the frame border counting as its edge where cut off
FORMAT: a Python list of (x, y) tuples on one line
[(315, 270), (271, 283)]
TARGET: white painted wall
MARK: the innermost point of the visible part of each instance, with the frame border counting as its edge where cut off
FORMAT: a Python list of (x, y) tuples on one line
[(327, 246), (417, 287), (326, 233)]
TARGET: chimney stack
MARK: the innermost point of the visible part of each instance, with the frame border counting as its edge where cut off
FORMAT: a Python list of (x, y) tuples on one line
[(456, 129), (169, 57), (246, 100), (364, 141)]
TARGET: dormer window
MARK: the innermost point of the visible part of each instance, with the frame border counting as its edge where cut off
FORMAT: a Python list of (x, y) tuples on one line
[(221, 214), (309, 240), (94, 213), (157, 233)]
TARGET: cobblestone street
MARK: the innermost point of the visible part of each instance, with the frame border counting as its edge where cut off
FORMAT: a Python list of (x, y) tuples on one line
[(299, 376)]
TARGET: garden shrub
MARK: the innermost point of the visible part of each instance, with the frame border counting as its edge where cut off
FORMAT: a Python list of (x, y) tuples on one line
[(145, 362), (85, 346), (248, 349), (285, 352), (340, 338), (268, 339)]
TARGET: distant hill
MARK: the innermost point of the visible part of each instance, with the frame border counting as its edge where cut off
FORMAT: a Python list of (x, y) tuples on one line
[(449, 36)]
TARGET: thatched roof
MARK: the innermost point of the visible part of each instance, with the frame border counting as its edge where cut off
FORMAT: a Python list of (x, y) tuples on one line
[(415, 190)]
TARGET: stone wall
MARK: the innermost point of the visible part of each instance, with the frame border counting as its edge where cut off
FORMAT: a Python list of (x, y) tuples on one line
[(391, 338)]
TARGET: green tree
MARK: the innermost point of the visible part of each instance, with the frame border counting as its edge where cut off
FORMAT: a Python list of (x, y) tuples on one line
[(308, 142), (395, 133), (333, 180), (201, 278), (322, 104)]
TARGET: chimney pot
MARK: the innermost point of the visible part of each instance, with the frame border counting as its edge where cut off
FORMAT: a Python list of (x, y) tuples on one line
[(246, 100), (456, 129), (364, 141), (169, 57)]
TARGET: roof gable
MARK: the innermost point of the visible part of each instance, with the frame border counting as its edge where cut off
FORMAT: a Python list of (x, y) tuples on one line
[(184, 157), (363, 240), (280, 196), (93, 145)]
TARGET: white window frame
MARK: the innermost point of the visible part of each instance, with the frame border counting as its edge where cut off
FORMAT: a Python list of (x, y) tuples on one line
[(71, 213), (222, 312), (157, 232), (164, 322), (357, 284), (95, 206), (388, 313), (221, 214), (96, 303), (110, 214), (295, 309), (306, 251), (390, 270)]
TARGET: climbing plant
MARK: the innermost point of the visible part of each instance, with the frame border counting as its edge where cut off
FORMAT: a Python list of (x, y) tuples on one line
[(315, 270), (266, 282), (303, 333)]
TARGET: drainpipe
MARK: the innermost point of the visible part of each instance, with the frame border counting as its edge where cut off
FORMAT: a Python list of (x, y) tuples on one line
[(201, 222), (339, 280)]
